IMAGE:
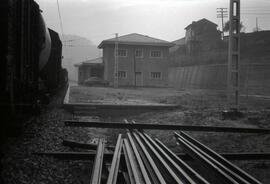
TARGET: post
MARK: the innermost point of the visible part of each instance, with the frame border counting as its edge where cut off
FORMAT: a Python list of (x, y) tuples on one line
[(134, 65), (257, 27), (222, 13), (234, 56), (115, 82)]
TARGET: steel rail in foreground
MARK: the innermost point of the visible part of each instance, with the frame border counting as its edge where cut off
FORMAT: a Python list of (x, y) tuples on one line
[(218, 164), (133, 168), (139, 159), (192, 173), (219, 175), (116, 125), (154, 171), (154, 174), (177, 168), (220, 159), (174, 165), (97, 168), (113, 174), (172, 176), (130, 175)]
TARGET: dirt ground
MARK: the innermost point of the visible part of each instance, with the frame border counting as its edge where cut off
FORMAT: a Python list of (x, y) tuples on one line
[(193, 98), (197, 107)]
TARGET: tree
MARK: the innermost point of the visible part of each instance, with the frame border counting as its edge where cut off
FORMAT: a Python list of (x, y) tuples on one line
[(227, 27)]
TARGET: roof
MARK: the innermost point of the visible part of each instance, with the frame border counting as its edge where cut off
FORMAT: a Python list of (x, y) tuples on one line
[(136, 39), (96, 61), (200, 22), (177, 43), (180, 41)]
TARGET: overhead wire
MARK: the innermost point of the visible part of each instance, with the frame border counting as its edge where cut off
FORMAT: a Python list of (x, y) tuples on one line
[(60, 20)]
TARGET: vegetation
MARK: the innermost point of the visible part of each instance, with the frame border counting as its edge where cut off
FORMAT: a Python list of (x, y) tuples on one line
[(227, 27)]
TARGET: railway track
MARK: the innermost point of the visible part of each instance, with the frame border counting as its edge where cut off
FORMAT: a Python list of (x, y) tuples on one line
[(117, 125), (139, 158)]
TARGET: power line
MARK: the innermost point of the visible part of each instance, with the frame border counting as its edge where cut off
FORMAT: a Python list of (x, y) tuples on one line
[(60, 19)]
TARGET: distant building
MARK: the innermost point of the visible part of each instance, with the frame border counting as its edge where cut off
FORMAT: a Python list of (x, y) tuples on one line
[(90, 68), (201, 35), (202, 44), (143, 60)]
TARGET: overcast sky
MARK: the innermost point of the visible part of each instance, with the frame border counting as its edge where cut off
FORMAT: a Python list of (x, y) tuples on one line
[(165, 19)]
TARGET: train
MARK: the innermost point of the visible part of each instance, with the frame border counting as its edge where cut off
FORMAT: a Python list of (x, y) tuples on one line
[(31, 63)]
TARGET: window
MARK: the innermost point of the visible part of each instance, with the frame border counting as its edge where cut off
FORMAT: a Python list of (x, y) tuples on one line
[(139, 53), (155, 54), (155, 75), (122, 74), (122, 52)]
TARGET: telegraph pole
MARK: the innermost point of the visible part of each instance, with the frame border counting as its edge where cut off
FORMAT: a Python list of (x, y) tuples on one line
[(115, 82), (222, 13)]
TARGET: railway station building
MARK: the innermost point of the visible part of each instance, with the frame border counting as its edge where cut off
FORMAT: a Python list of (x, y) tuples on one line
[(142, 60)]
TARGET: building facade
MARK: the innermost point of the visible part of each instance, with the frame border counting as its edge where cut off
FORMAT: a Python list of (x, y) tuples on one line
[(142, 60), (90, 68)]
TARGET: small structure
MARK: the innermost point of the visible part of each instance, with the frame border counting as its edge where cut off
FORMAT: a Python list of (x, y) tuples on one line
[(142, 60), (90, 68)]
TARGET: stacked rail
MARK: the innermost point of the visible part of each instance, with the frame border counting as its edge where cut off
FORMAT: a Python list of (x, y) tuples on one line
[(138, 158)]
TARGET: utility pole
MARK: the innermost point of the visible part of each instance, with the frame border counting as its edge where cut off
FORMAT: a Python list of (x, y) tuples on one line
[(222, 13), (115, 82), (233, 75), (134, 66), (257, 27)]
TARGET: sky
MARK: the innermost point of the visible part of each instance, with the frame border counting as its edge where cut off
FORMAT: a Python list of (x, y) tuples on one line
[(97, 20)]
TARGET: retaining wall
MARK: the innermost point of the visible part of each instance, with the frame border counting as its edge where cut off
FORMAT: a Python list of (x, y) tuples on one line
[(253, 77)]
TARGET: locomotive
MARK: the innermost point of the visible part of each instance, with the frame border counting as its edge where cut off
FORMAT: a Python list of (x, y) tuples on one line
[(30, 67)]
